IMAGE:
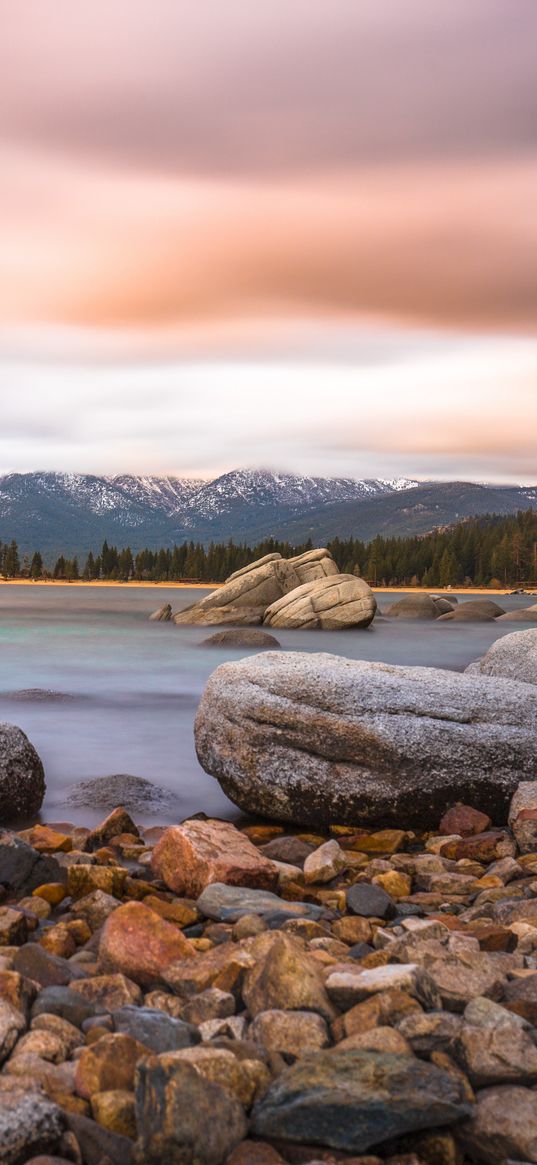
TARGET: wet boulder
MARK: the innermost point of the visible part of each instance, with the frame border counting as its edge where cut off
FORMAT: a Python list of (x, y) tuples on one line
[(416, 606), (474, 611), (22, 777), (249, 637)]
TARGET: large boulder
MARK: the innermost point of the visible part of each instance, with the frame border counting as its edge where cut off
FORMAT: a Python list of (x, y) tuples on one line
[(329, 604), (521, 615), (317, 739), (416, 606), (22, 778), (514, 657), (474, 611), (247, 593)]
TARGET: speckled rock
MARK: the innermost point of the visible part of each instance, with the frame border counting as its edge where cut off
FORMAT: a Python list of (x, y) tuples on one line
[(22, 777), (317, 738), (523, 816), (291, 1033), (512, 657), (30, 1122), (353, 1100), (503, 1126)]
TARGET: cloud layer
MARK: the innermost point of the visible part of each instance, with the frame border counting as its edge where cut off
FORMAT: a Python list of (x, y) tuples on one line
[(254, 218)]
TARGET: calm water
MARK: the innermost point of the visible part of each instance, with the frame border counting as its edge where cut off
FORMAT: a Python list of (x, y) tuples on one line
[(137, 684)]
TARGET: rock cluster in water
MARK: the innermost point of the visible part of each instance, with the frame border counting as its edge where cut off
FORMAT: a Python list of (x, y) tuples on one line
[(307, 591), (202, 994)]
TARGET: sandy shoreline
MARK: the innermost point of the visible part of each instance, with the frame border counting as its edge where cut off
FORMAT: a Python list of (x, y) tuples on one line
[(56, 582)]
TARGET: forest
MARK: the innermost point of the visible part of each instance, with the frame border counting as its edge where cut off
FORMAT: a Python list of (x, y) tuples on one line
[(485, 551)]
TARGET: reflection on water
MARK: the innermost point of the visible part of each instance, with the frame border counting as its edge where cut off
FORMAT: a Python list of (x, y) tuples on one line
[(137, 684)]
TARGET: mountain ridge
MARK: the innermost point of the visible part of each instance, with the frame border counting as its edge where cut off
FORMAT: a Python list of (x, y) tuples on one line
[(71, 513)]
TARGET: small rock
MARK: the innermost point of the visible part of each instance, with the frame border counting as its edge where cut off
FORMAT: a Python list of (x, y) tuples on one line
[(292, 1033), (523, 816), (241, 637), (108, 1064), (229, 903), (482, 847), (464, 820), (284, 978), (346, 988), (370, 901), (191, 856), (64, 1002), (287, 849), (83, 879), (117, 822), (503, 1126), (109, 992), (23, 868), (182, 1117), (156, 1030), (377, 1039), (30, 1122), (141, 944), (13, 927), (114, 1110), (34, 962), (12, 1024), (209, 1004), (95, 908), (324, 863)]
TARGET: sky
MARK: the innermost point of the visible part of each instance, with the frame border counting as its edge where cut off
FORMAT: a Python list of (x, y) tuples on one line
[(297, 235)]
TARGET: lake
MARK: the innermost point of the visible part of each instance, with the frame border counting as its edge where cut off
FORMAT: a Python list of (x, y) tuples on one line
[(135, 685)]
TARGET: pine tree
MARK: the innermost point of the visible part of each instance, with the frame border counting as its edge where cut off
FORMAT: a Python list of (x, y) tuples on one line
[(36, 566)]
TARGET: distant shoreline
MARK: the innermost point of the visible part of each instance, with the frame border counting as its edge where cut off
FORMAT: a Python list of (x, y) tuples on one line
[(208, 586)]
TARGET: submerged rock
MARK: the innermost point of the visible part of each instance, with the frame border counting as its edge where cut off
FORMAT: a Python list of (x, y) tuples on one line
[(514, 657), (248, 638), (315, 738), (415, 607), (162, 615), (133, 793), (22, 777), (474, 611), (521, 615)]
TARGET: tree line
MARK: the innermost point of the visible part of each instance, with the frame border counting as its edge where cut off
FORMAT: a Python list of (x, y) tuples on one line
[(485, 551)]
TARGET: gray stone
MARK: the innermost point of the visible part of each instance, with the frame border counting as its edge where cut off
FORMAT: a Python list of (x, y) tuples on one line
[(514, 657), (22, 777), (22, 868), (30, 1122), (433, 1031), (316, 739), (34, 962), (64, 1002), (229, 903), (97, 1144), (154, 1028), (135, 794), (521, 615), (370, 901), (353, 1100)]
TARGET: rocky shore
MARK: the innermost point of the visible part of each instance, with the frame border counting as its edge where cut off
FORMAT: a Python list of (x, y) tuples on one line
[(349, 976), (202, 994)]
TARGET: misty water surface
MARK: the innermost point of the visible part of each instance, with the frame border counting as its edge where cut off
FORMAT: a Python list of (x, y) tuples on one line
[(137, 684)]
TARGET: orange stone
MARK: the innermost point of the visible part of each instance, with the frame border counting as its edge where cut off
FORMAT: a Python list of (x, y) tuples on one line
[(141, 944), (47, 840), (52, 892), (110, 1063), (464, 820), (190, 856)]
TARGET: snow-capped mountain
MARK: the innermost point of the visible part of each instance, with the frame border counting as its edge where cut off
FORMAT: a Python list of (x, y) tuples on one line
[(70, 513)]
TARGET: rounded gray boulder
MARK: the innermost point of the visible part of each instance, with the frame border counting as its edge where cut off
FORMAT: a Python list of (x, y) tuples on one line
[(22, 777), (236, 637), (474, 611), (414, 607), (317, 739), (514, 657)]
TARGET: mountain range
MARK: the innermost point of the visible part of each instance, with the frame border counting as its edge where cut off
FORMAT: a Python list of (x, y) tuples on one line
[(71, 513)]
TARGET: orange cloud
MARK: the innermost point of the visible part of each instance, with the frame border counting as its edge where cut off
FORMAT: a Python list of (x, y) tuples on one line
[(436, 243)]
